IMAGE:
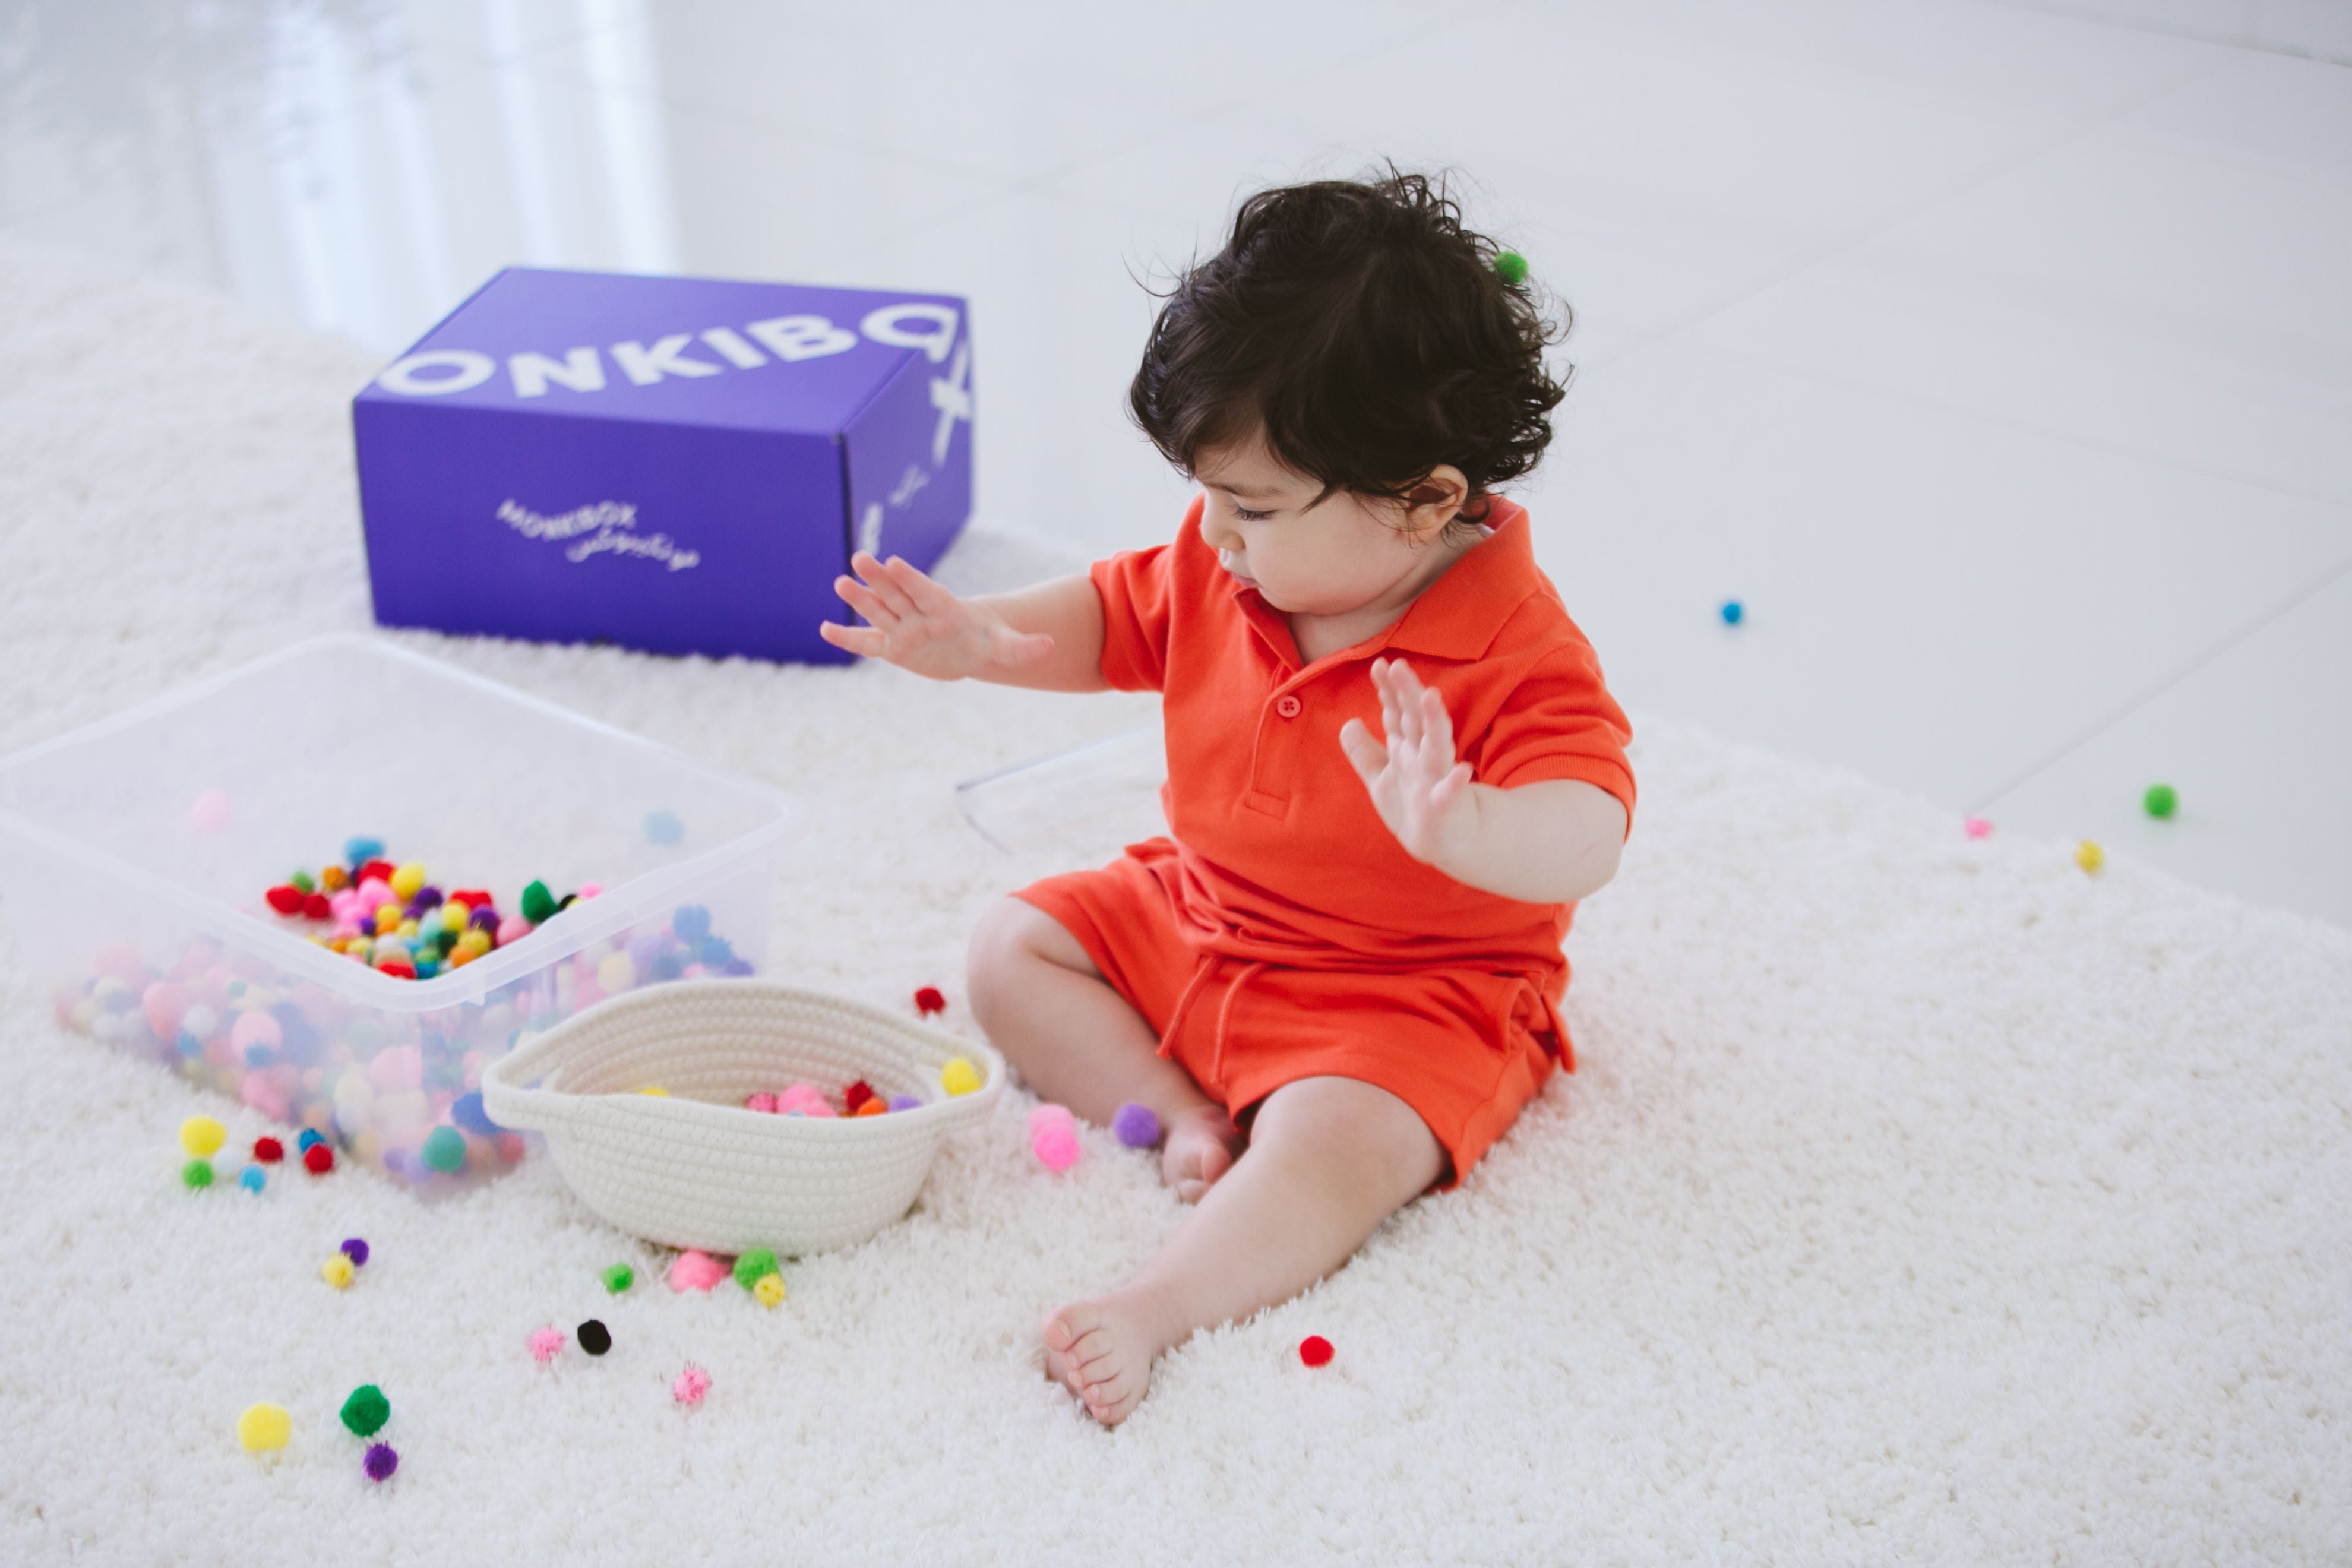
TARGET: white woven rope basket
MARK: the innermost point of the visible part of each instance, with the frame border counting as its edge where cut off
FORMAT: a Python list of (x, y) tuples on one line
[(693, 1168)]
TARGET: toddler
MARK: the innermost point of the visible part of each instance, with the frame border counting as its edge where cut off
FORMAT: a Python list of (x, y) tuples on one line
[(1392, 766)]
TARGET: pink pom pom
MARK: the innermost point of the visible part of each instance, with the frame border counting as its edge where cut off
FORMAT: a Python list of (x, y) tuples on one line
[(1056, 1146), (211, 813), (1977, 827), (764, 1101), (803, 1099), (691, 1385), (695, 1272), (589, 890), (545, 1342)]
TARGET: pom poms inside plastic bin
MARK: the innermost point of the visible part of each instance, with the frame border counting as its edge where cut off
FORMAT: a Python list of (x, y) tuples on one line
[(693, 1168)]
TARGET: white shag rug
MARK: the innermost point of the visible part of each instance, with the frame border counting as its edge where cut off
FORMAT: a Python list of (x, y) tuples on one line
[(1917, 1199)]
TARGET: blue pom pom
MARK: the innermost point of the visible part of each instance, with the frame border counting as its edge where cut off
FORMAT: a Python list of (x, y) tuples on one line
[(1732, 612), (690, 923), (252, 1179), (359, 849), (715, 952), (309, 1136), (467, 1112), (190, 1046), (668, 967), (664, 828)]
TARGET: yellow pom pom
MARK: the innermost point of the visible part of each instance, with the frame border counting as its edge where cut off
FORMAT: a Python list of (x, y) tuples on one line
[(264, 1426), (769, 1289), (616, 973), (408, 879), (656, 1090), (387, 918), (336, 1271), (959, 1077), (2089, 855), (202, 1136)]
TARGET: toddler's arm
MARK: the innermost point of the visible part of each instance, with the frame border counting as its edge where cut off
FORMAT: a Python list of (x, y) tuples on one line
[(1551, 842), (1048, 636)]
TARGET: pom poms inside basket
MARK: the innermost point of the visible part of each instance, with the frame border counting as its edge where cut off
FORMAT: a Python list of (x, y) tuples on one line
[(691, 1167)]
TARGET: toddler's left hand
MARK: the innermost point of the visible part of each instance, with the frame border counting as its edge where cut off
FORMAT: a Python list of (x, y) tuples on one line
[(1417, 786)]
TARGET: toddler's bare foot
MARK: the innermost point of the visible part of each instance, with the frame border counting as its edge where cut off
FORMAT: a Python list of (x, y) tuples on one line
[(1102, 1351), (1200, 1147)]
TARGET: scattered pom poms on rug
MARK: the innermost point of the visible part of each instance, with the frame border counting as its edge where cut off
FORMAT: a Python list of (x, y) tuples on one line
[(1511, 268), (959, 1077), (252, 1178), (356, 1250), (1137, 1126), (337, 1271), (210, 813), (929, 1000), (263, 1428), (695, 1272), (545, 1343), (1975, 827), (2089, 855), (196, 1174), (202, 1136), (366, 1411), (753, 1266), (1315, 1350), (318, 1159), (380, 1462), (2160, 800), (593, 1337), (690, 1385), (268, 1151), (769, 1289), (1054, 1137), (618, 1277)]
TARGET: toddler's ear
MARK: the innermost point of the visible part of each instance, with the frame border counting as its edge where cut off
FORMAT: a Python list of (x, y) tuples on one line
[(1436, 499)]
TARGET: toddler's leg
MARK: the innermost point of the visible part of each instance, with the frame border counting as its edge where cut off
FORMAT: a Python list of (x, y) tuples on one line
[(1329, 1159), (1075, 1040)]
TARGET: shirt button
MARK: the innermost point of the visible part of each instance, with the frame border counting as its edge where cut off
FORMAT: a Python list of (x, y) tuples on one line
[(1287, 706)]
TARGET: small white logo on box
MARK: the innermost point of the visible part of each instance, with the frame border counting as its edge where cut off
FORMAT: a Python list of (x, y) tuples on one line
[(601, 528)]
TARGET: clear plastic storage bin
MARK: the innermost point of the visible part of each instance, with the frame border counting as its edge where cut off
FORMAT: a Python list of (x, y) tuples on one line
[(150, 928)]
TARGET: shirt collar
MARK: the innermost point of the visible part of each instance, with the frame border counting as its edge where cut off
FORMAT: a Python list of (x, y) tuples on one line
[(1461, 613)]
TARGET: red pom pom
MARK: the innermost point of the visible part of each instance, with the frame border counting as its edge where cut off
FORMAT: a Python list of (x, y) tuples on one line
[(1315, 1350), (475, 897), (317, 908), (268, 1151), (381, 870), (318, 1159), (928, 1001), (286, 899), (856, 1095)]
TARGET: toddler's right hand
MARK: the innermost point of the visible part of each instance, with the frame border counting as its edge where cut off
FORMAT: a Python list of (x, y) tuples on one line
[(917, 624)]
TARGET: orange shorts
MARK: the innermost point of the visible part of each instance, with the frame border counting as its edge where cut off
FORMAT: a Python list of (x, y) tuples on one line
[(1465, 1048)]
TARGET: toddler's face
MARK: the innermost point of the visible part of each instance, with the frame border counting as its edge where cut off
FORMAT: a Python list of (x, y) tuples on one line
[(1329, 558)]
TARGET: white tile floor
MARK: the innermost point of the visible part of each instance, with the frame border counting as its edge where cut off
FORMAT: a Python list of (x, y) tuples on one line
[(1999, 357)]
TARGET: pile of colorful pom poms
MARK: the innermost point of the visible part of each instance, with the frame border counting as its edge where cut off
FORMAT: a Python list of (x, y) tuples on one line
[(388, 916), (201, 1138), (806, 1100)]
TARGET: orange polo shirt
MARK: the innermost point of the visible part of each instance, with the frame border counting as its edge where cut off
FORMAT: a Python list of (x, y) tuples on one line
[(1282, 858)]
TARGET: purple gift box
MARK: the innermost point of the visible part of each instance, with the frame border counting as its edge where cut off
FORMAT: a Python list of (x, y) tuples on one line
[(676, 464)]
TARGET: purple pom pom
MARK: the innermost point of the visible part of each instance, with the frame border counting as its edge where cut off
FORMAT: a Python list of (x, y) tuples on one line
[(356, 1250), (905, 1103), (1137, 1126), (381, 1462)]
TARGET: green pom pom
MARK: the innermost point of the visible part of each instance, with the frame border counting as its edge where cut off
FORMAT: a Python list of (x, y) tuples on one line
[(619, 1278), (538, 903), (366, 1411), (753, 1266), (198, 1174), (1511, 268), (301, 883), (2161, 800), (445, 1149)]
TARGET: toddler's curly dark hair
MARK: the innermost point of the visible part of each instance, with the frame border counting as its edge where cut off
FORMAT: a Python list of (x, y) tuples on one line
[(1366, 332)]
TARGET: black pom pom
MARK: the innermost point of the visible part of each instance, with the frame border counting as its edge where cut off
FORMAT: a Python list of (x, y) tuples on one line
[(593, 1337)]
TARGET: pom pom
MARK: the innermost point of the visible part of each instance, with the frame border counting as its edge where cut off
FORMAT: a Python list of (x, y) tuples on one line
[(1137, 1126), (2089, 855), (1315, 1350), (618, 1277), (538, 903), (359, 849), (211, 813), (1975, 827), (695, 1272), (544, 1343), (317, 907), (309, 1136), (1733, 611), (1057, 1148), (202, 1136), (663, 827), (769, 1289), (356, 1250), (690, 1385), (286, 899), (856, 1095), (264, 1426), (763, 1102), (252, 1179), (689, 923), (198, 1173), (381, 1462), (336, 1271), (408, 881), (655, 1090), (959, 1077), (905, 1103), (318, 1159), (467, 1112), (445, 1151), (2160, 800), (593, 1337), (753, 1266), (366, 1411), (928, 1001), (1511, 268), (873, 1107)]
